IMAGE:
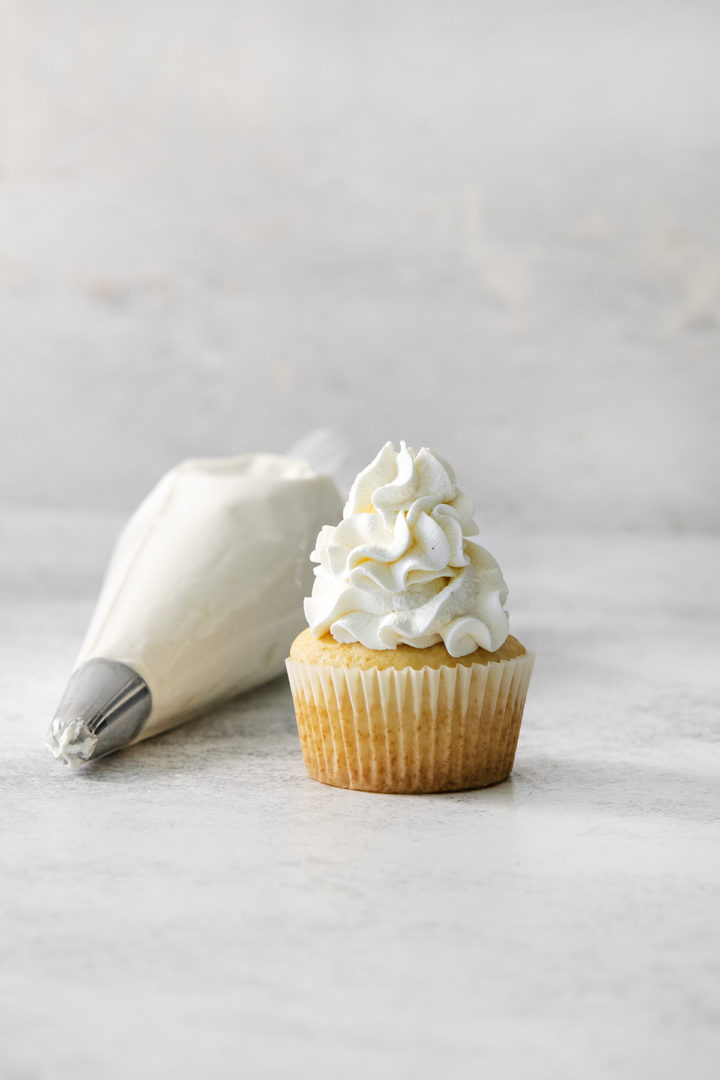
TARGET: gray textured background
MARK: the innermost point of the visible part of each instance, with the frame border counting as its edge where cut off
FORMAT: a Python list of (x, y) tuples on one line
[(490, 228)]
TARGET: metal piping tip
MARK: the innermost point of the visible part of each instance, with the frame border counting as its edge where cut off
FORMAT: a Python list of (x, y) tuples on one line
[(105, 705)]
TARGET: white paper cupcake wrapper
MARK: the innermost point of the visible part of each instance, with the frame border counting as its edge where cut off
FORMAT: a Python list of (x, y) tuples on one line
[(435, 729)]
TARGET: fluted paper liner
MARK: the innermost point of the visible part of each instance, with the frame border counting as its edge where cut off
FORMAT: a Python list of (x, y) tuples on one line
[(410, 731)]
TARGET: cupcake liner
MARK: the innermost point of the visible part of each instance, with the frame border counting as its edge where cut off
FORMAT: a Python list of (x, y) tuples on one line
[(410, 731)]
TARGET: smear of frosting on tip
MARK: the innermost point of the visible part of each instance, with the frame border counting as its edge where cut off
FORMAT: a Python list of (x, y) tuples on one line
[(401, 567)]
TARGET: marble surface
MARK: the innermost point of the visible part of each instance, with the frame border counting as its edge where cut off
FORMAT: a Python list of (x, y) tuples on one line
[(198, 906)]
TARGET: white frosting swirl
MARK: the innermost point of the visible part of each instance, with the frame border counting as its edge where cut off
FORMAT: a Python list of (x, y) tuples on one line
[(399, 568)]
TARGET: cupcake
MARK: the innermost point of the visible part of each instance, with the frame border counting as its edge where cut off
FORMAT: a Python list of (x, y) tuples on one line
[(407, 679)]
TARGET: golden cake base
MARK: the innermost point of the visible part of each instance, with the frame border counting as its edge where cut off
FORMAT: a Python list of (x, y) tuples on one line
[(407, 721)]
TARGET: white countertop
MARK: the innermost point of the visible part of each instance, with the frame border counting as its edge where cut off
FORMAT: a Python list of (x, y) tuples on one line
[(197, 906)]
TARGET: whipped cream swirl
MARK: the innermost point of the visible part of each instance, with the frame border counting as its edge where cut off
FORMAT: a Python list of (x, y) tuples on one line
[(399, 568)]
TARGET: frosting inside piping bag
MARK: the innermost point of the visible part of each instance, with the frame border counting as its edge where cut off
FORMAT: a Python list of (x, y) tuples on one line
[(203, 593)]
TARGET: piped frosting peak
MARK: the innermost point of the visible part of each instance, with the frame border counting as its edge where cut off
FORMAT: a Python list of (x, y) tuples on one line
[(401, 566)]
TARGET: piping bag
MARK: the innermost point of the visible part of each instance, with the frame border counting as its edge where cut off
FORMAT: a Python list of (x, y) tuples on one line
[(201, 599)]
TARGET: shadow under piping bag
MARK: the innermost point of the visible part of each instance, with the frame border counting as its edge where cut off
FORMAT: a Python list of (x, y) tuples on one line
[(201, 599)]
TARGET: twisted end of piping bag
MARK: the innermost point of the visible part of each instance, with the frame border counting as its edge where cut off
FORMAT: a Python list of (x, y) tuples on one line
[(327, 452), (104, 707)]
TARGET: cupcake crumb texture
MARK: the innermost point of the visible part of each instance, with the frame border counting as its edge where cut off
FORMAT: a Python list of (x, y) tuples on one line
[(307, 649)]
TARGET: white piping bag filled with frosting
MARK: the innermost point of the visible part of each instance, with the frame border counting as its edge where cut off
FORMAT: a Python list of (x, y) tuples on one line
[(201, 599)]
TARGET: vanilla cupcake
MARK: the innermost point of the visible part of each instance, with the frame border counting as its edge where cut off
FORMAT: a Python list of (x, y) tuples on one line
[(407, 679)]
